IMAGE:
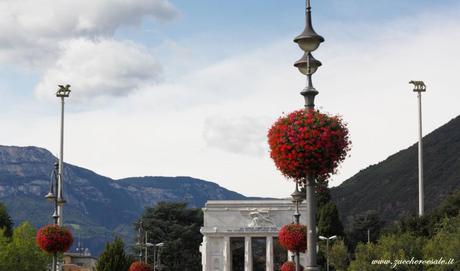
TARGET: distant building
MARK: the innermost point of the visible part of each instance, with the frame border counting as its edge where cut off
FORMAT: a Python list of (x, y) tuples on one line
[(79, 262), (241, 235)]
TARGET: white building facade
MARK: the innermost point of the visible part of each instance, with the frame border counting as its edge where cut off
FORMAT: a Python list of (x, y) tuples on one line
[(243, 235)]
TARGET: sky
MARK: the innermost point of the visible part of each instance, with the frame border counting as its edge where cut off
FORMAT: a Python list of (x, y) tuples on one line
[(190, 88)]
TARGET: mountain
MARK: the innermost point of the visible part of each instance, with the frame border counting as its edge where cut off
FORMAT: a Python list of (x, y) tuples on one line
[(97, 207), (391, 186)]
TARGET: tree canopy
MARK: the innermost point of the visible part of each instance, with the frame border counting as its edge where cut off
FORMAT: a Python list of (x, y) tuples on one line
[(178, 227), (19, 253), (114, 258), (5, 221)]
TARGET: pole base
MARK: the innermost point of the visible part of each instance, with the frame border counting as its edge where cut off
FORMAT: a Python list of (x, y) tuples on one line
[(312, 268)]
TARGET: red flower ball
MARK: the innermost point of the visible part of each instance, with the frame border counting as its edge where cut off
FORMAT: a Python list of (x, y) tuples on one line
[(308, 143), (289, 266), (293, 237), (54, 239), (139, 266)]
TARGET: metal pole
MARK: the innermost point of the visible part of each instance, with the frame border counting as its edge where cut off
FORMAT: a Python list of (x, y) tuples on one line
[(297, 220), (55, 214), (61, 166), (159, 259), (327, 253), (311, 224), (145, 243), (420, 158), (139, 235), (154, 257), (54, 266), (368, 236)]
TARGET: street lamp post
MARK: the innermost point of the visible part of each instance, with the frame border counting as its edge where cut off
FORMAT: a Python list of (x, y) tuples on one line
[(419, 87), (156, 256), (140, 242), (327, 247), (297, 198), (51, 196), (63, 92), (147, 245), (309, 41)]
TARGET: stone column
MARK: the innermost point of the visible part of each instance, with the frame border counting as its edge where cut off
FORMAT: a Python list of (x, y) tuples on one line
[(269, 255), (227, 254), (204, 253), (247, 253)]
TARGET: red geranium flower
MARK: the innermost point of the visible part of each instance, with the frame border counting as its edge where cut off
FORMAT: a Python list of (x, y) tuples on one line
[(289, 266), (54, 239), (139, 266), (293, 237), (308, 143)]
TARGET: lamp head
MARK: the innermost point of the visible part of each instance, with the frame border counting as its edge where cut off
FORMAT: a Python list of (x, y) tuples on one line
[(419, 86), (308, 40), (50, 196), (64, 91), (297, 196), (307, 65)]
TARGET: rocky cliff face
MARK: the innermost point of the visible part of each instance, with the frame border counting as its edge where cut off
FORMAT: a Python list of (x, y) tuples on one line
[(98, 207)]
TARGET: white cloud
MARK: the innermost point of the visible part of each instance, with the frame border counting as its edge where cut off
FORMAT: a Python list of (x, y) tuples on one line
[(100, 68), (159, 130), (242, 135), (32, 30)]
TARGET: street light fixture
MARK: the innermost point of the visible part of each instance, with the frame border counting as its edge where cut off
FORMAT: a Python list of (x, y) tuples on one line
[(297, 198), (140, 242), (419, 87), (156, 256), (51, 196), (63, 92), (307, 65), (327, 247), (308, 40), (146, 246)]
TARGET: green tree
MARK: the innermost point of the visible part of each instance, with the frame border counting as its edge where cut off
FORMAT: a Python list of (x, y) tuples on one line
[(328, 220), (402, 247), (20, 253), (391, 247), (427, 224), (420, 226), (178, 227), (364, 255), (327, 216), (364, 226), (5, 221), (446, 244), (338, 255), (113, 258)]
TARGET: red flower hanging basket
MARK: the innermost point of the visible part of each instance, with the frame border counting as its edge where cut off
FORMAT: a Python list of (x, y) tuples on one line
[(139, 266), (293, 237), (308, 143), (290, 266), (54, 239)]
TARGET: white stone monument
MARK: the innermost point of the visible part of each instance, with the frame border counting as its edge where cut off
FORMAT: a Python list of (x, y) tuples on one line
[(242, 235)]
